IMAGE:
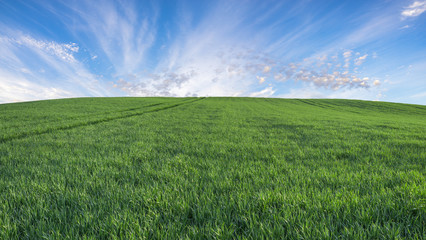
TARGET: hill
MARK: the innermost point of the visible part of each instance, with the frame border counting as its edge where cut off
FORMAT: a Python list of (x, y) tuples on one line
[(212, 168)]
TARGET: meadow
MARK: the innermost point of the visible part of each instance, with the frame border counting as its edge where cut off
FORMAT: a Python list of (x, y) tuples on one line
[(212, 168)]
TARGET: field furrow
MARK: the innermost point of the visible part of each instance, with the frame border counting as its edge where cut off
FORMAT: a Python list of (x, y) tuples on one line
[(85, 120)]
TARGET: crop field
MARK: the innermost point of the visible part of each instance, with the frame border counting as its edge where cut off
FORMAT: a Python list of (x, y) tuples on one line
[(212, 168)]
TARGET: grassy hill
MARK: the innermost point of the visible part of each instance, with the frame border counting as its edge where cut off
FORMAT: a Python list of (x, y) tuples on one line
[(220, 168)]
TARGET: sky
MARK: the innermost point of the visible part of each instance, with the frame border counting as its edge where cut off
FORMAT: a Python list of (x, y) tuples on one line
[(363, 49)]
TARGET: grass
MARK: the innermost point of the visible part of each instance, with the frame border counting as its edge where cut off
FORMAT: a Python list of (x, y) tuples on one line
[(212, 168)]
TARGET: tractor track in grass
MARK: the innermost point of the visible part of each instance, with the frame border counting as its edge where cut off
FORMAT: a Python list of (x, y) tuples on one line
[(90, 115), (97, 121)]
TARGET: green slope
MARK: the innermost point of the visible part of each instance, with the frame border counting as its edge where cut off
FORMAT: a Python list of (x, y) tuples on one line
[(120, 168)]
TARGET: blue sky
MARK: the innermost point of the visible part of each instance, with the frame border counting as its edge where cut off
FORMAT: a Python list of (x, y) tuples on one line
[(371, 50)]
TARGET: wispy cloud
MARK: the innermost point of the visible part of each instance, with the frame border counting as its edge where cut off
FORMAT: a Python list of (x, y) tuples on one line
[(415, 9), (219, 48), (119, 31), (361, 60), (17, 88), (34, 69), (63, 51), (267, 92)]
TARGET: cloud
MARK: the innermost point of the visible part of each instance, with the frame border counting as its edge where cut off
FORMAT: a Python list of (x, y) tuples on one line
[(226, 72), (162, 56), (327, 74), (267, 92), (155, 84), (261, 79), (119, 32), (266, 69), (360, 60), (63, 51), (133, 89), (32, 69), (15, 88), (376, 83), (347, 54), (209, 55), (415, 9)]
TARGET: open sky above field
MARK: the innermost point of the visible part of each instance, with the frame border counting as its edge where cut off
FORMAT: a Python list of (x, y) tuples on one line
[(373, 50)]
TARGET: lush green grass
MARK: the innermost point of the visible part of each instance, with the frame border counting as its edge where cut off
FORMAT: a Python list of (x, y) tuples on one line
[(220, 168)]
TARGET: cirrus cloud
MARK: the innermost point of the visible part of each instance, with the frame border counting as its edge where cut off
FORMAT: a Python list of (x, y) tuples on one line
[(415, 9)]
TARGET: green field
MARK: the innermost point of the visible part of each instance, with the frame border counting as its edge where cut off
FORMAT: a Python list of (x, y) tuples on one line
[(212, 168)]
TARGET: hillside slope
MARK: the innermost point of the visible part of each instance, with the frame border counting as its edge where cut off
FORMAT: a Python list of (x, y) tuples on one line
[(212, 168)]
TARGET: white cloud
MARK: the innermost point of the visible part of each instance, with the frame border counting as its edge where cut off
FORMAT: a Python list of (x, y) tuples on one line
[(267, 92), (127, 38), (347, 54), (359, 61), (415, 9), (261, 79), (121, 32), (328, 74), (33, 69), (15, 88), (63, 51), (266, 69), (376, 83)]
